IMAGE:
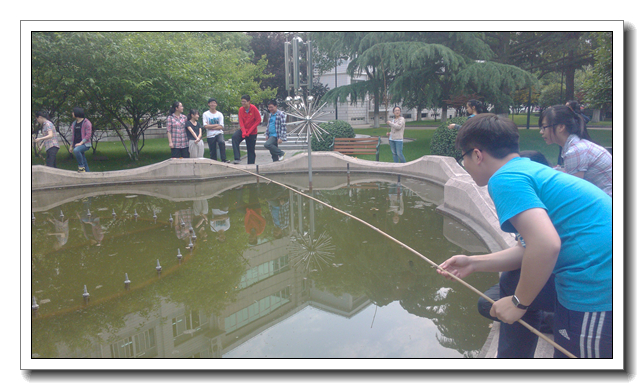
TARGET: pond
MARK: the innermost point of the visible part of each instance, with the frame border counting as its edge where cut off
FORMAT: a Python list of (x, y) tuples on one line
[(264, 273)]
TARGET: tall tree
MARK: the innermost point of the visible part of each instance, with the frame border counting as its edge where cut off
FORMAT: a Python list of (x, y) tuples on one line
[(132, 78), (598, 86)]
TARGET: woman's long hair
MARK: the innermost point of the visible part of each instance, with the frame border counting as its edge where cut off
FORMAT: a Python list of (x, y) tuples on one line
[(174, 107)]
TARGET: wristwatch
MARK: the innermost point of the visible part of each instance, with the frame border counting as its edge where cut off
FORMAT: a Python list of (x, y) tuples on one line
[(518, 304)]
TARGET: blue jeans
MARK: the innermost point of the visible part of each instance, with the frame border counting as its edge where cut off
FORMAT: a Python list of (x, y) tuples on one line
[(516, 341), (79, 153), (396, 150)]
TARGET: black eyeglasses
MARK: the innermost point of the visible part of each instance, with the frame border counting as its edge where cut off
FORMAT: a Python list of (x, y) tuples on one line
[(545, 127), (460, 159)]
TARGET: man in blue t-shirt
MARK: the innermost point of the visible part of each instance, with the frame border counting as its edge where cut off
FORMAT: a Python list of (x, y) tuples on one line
[(566, 224)]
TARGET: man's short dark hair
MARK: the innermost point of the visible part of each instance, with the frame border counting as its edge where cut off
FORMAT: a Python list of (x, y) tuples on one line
[(273, 102), (246, 97), (78, 112), (496, 135), (212, 100)]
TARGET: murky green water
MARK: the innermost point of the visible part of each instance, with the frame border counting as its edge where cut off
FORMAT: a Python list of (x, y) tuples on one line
[(271, 274)]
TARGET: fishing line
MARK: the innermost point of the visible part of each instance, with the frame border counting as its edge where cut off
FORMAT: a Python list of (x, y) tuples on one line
[(528, 326)]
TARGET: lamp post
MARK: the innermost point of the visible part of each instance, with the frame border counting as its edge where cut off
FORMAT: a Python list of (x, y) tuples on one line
[(304, 109)]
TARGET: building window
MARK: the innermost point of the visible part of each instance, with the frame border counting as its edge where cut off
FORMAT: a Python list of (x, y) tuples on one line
[(257, 310), (134, 346)]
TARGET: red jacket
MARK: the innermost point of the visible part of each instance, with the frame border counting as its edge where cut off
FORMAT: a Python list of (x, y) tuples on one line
[(249, 122)]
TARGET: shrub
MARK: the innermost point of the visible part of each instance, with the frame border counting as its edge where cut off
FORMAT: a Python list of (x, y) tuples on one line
[(337, 129), (442, 143)]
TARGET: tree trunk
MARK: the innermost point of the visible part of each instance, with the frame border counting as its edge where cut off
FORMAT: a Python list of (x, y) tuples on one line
[(570, 83), (444, 113), (419, 116), (376, 111), (596, 115)]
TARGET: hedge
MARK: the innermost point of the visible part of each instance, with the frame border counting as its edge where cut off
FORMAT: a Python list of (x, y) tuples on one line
[(339, 129), (442, 143)]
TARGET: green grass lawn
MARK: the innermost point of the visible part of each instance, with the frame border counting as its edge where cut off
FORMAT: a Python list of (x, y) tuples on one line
[(519, 119), (528, 140), (111, 156)]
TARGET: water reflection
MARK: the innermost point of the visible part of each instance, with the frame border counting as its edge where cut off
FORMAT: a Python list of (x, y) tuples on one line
[(245, 277)]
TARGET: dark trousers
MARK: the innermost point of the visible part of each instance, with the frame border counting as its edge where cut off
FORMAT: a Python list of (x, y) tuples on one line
[(217, 142), (271, 144), (179, 152), (250, 146), (50, 160), (516, 341)]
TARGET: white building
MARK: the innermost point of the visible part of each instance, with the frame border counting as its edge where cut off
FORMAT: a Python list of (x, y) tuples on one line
[(362, 113)]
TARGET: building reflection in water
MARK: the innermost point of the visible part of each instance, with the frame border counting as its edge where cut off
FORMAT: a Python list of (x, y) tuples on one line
[(274, 287)]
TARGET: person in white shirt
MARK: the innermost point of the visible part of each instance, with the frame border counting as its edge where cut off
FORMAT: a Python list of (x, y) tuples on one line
[(213, 122)]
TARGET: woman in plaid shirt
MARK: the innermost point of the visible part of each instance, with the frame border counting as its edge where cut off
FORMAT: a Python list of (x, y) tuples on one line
[(581, 156), (176, 126), (49, 140)]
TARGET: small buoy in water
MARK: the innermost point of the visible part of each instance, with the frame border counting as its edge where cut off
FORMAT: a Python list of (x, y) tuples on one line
[(190, 229), (158, 266), (135, 214), (154, 215), (127, 281), (85, 293), (182, 223), (88, 213), (194, 236), (113, 213), (61, 214), (190, 245), (33, 217), (179, 256), (171, 218), (34, 305)]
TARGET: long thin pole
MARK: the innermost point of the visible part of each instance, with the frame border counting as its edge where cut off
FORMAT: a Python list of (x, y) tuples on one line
[(532, 329)]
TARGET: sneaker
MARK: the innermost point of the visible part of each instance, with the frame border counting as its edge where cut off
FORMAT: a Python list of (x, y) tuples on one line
[(281, 158), (236, 161), (226, 161), (81, 169)]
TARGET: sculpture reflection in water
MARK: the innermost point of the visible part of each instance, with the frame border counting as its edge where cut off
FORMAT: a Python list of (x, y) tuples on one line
[(227, 291)]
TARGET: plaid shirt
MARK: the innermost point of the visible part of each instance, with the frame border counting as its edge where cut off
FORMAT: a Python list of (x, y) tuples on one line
[(280, 125), (580, 155), (177, 129), (47, 126)]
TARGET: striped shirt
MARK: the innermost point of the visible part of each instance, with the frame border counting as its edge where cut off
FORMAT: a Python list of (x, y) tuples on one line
[(47, 126), (580, 155), (177, 129)]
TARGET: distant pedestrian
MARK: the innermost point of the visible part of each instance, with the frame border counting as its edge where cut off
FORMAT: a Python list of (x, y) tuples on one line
[(275, 131), (81, 128), (396, 135), (213, 122), (193, 132), (473, 107), (49, 138), (176, 125), (249, 119)]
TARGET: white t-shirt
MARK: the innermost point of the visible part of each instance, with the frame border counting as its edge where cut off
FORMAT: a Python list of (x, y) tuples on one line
[(213, 119)]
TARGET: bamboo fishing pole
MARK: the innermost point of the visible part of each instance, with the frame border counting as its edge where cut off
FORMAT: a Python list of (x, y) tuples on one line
[(528, 326)]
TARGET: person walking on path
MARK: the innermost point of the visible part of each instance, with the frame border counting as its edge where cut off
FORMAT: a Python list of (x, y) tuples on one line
[(580, 156), (566, 224), (213, 122), (396, 136), (249, 119), (275, 131), (193, 132), (81, 128), (472, 107), (49, 139), (177, 138)]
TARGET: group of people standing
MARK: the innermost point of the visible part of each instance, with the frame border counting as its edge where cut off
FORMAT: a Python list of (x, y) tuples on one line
[(81, 130), (185, 134)]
